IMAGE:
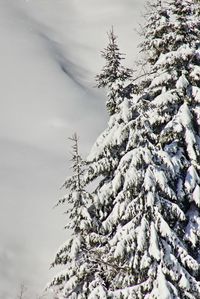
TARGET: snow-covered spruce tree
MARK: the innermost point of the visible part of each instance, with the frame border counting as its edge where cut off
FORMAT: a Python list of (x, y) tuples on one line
[(109, 149), (148, 195), (174, 94), (79, 271), (114, 76)]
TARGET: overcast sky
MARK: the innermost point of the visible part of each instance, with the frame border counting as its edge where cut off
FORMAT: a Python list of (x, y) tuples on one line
[(49, 55)]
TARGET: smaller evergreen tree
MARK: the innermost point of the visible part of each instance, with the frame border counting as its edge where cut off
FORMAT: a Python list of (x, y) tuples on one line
[(78, 277), (114, 76)]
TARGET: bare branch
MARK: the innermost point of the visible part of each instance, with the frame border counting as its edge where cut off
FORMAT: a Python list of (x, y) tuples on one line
[(22, 291)]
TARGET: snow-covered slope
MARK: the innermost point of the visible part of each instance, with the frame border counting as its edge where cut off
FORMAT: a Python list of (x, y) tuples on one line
[(48, 57)]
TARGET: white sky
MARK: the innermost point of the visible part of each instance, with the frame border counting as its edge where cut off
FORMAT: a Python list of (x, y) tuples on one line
[(49, 55)]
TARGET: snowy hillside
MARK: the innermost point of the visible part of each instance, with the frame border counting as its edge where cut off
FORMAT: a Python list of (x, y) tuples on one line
[(49, 56)]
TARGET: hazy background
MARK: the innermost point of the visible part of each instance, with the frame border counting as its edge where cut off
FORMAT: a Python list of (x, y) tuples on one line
[(49, 55)]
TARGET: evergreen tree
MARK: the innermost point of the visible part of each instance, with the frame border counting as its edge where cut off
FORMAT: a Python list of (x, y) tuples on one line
[(175, 79), (114, 76), (148, 198), (109, 148), (80, 272)]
